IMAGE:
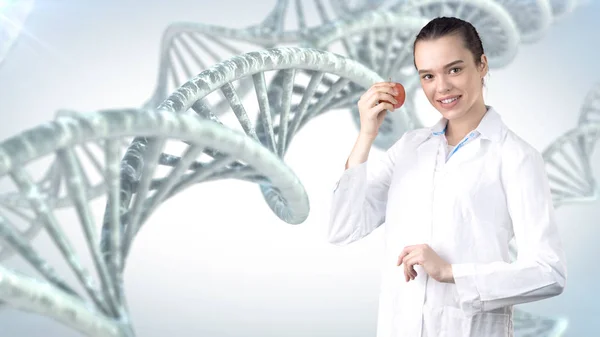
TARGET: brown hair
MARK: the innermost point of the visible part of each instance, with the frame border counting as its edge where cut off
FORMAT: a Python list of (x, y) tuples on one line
[(444, 26)]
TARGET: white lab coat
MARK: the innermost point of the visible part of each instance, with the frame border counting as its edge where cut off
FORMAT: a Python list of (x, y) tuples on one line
[(467, 209)]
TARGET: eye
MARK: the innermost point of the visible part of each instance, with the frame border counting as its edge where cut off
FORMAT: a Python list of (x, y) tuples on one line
[(455, 70), (426, 76)]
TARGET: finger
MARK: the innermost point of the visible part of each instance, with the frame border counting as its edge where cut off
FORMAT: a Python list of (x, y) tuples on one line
[(412, 273), (405, 252), (402, 256), (411, 268), (405, 268), (376, 110), (380, 97), (410, 261)]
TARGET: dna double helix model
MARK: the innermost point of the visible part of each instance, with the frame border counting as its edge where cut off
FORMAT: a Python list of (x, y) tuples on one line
[(220, 111)]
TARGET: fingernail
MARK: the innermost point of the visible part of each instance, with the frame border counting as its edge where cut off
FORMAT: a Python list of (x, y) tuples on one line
[(394, 92)]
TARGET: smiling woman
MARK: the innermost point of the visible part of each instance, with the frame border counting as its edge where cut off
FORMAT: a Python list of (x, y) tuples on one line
[(452, 196)]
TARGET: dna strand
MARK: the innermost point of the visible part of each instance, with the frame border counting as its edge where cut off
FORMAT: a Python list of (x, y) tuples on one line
[(103, 311), (173, 148), (188, 48), (53, 183), (12, 19), (568, 158), (291, 24), (532, 18), (590, 114), (275, 88)]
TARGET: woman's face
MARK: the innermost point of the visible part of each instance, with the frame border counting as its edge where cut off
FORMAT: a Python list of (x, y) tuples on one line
[(449, 76)]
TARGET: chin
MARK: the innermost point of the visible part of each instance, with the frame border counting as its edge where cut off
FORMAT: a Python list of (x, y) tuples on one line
[(452, 114), (449, 113)]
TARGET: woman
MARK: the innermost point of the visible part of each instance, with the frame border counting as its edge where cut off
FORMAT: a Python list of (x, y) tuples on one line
[(452, 196)]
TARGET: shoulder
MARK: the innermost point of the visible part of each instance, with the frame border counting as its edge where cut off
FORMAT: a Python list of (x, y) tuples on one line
[(411, 139), (406, 145), (408, 141), (516, 152)]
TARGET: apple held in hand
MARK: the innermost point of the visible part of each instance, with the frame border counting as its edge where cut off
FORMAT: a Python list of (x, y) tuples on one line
[(401, 96)]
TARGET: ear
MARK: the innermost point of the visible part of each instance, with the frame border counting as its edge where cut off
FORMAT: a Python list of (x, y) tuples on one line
[(483, 66)]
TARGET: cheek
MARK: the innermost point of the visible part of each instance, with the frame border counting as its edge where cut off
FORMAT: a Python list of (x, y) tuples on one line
[(469, 85), (428, 90)]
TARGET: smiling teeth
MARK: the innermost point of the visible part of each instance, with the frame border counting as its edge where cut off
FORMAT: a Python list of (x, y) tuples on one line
[(449, 100)]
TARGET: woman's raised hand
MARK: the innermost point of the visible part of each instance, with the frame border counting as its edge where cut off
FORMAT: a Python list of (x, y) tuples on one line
[(374, 104)]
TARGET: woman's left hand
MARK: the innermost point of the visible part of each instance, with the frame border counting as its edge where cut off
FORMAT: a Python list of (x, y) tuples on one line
[(427, 258)]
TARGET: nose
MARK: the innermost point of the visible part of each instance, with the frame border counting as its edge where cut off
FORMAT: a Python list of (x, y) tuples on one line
[(443, 84)]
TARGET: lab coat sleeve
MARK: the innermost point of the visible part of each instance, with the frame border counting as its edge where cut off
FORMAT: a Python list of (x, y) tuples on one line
[(358, 202), (539, 271)]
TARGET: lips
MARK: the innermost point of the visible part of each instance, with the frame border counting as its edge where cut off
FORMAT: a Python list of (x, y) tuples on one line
[(449, 102), (449, 99)]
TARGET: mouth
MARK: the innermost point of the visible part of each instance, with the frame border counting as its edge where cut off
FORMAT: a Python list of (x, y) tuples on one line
[(449, 101)]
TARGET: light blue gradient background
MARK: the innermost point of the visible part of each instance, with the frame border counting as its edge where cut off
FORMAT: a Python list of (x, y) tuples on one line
[(214, 260)]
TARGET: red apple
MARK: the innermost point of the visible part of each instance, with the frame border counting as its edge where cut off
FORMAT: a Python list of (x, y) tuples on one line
[(401, 96)]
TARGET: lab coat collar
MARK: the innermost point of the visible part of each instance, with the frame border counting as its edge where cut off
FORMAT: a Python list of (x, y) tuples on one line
[(490, 127)]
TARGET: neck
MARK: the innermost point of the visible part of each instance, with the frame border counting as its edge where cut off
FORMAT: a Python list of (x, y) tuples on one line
[(458, 128)]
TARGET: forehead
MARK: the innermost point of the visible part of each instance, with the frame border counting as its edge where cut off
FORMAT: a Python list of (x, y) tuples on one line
[(435, 54)]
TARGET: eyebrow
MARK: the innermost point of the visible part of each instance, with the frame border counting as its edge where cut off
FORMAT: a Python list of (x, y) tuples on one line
[(445, 67)]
